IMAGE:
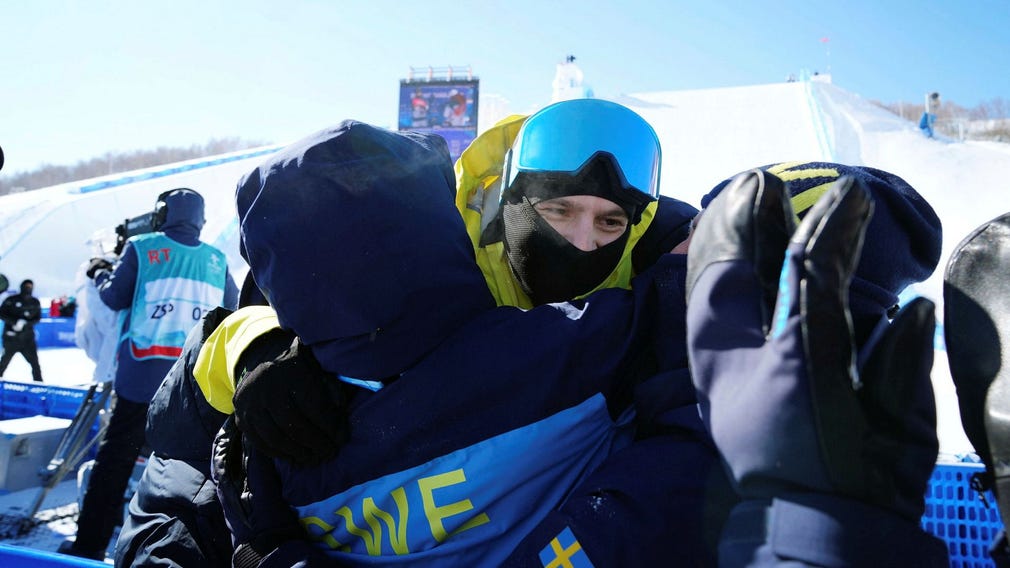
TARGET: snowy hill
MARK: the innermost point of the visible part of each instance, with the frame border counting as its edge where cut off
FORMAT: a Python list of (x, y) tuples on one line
[(707, 136)]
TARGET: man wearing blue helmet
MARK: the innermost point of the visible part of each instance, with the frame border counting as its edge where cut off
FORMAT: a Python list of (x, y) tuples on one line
[(579, 210), (437, 463)]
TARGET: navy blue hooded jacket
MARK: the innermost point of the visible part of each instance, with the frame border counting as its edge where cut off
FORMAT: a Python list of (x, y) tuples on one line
[(489, 416), (184, 218)]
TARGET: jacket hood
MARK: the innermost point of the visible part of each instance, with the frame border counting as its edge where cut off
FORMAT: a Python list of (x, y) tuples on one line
[(903, 239), (184, 215), (353, 237)]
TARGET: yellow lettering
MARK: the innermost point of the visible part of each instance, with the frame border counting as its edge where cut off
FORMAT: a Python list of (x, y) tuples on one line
[(372, 537), (371, 544), (396, 524), (320, 530), (397, 533), (436, 514)]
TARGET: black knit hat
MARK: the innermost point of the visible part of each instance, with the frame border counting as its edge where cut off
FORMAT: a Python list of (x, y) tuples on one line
[(903, 239)]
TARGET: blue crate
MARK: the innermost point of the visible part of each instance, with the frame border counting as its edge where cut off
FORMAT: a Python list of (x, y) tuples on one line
[(18, 400), (955, 514), (63, 402), (21, 400)]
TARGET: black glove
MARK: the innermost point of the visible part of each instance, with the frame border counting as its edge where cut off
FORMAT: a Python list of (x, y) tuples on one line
[(228, 470), (250, 495), (98, 265), (773, 356), (289, 407), (976, 293)]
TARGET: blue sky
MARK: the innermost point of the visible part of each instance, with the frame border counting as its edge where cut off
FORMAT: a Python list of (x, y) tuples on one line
[(80, 79)]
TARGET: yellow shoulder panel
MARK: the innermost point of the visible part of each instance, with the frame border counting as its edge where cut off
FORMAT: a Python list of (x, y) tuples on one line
[(215, 365)]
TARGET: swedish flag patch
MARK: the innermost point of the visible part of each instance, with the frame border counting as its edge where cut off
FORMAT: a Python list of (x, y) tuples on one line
[(564, 551)]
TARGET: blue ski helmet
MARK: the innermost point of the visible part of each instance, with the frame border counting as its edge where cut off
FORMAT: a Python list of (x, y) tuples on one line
[(566, 136)]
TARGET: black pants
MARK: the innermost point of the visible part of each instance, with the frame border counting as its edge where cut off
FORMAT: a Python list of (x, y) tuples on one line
[(28, 350), (117, 453)]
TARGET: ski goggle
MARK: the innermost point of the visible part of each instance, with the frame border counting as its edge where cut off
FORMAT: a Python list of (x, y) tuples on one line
[(564, 136)]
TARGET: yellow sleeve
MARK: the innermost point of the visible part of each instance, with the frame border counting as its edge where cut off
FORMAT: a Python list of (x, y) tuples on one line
[(214, 371), (479, 167)]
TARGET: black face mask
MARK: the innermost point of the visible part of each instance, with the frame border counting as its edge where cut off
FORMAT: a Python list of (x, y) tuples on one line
[(548, 267)]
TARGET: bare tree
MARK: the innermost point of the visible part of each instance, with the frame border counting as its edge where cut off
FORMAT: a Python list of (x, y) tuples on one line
[(48, 175)]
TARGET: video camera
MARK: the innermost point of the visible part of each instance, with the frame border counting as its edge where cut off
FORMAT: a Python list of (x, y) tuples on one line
[(141, 224), (138, 225)]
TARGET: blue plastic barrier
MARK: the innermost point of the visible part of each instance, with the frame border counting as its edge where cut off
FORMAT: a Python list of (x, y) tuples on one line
[(956, 514), (19, 400), (21, 557), (55, 332)]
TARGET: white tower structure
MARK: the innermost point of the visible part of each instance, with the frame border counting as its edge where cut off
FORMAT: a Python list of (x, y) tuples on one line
[(568, 82)]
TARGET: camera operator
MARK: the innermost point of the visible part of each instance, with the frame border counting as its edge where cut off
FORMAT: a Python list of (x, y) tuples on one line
[(165, 280)]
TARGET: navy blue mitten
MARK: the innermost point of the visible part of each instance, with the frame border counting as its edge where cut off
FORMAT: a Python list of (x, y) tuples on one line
[(796, 408)]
